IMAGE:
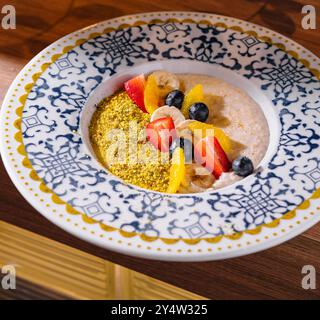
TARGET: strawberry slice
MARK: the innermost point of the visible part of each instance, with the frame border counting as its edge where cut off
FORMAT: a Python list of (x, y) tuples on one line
[(209, 153), (161, 133), (135, 90)]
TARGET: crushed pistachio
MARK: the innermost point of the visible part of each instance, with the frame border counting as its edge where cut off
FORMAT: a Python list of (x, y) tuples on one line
[(128, 156)]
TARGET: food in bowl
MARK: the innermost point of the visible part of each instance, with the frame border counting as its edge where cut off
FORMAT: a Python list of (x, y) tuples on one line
[(179, 133)]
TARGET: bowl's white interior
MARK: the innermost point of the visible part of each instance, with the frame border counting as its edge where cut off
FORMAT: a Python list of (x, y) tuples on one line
[(114, 83)]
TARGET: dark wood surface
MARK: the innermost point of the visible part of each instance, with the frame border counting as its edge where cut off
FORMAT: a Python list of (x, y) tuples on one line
[(272, 274), (29, 291)]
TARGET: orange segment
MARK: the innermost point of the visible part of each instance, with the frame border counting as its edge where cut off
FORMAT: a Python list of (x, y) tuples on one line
[(203, 130), (177, 171), (193, 96), (151, 94)]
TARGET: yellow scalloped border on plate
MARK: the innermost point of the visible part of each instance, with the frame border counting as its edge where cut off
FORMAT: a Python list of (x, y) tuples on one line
[(69, 209)]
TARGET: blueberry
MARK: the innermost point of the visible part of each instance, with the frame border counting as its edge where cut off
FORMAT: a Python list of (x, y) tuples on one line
[(242, 166), (187, 147), (175, 98), (199, 111)]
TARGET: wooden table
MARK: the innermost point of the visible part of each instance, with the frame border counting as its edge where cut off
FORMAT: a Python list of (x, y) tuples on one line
[(275, 273)]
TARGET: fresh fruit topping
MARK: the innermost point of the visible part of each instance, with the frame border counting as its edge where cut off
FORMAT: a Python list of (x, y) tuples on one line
[(199, 112), (175, 98), (209, 153), (202, 130), (161, 133), (166, 81), (193, 96), (167, 111), (151, 94), (185, 124), (187, 147), (242, 166), (177, 171), (183, 130), (199, 178), (135, 90)]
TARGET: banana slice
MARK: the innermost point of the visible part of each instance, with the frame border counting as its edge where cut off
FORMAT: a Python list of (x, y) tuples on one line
[(167, 111), (185, 124), (183, 129), (198, 179), (166, 82)]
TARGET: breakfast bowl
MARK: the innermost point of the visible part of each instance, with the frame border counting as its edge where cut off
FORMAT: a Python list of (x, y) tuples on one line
[(194, 71), (49, 152)]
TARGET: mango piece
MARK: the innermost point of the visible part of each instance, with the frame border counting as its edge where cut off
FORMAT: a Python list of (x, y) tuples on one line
[(177, 171), (151, 94), (193, 96), (204, 130)]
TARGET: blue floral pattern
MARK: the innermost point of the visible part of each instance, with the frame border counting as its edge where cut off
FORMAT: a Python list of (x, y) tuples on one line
[(248, 46), (308, 174), (109, 51), (60, 165), (60, 159), (282, 73), (67, 65), (74, 96), (258, 204), (35, 120), (97, 206)]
